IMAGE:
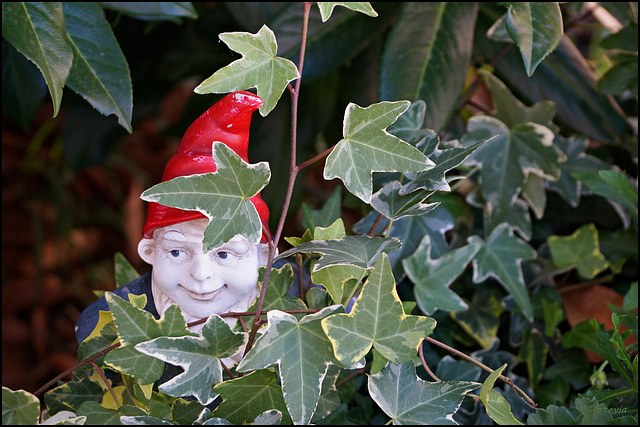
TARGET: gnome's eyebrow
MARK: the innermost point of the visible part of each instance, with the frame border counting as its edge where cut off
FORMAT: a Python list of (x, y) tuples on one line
[(175, 235)]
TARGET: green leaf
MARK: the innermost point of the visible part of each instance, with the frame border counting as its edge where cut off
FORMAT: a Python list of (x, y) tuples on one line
[(280, 281), (580, 250), (198, 356), (135, 325), (445, 160), (249, 396), (334, 278), (155, 10), (389, 202), (482, 319), (303, 354), (410, 125), (223, 196), (124, 271), (509, 109), (329, 399), (536, 28), (366, 148), (500, 257), (534, 353), (359, 251), (496, 405), (377, 320), (432, 277), (19, 407), (259, 67), (577, 162), (70, 396), (427, 55), (407, 399), (552, 415), (507, 159), (37, 30), (326, 216), (326, 8), (612, 185), (99, 73), (99, 415), (622, 76)]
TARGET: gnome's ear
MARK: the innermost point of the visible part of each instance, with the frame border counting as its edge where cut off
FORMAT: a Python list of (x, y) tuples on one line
[(146, 250)]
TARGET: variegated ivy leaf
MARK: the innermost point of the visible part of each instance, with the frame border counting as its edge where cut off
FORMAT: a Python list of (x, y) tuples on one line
[(135, 325), (580, 250), (390, 203), (303, 354), (326, 8), (360, 251), (377, 320), (259, 67), (223, 196), (407, 399), (496, 405), (198, 356), (367, 147), (536, 28), (447, 159), (432, 277), (245, 398), (409, 126), (500, 257), (19, 407), (507, 159)]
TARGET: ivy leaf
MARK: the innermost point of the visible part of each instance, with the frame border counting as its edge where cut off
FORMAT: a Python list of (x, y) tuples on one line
[(334, 278), (303, 354), (19, 407), (377, 320), (500, 257), (614, 186), (198, 356), (99, 415), (508, 158), (135, 325), (249, 396), (581, 250), (326, 8), (511, 111), (360, 251), (223, 196), (389, 202), (326, 216), (432, 277), (259, 67), (155, 11), (536, 28), (124, 272), (37, 30), (577, 162), (366, 148), (99, 73), (407, 399), (482, 319), (409, 126), (445, 160), (69, 396), (496, 405)]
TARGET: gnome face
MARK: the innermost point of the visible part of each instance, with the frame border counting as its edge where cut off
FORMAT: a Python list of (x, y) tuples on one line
[(221, 280), (200, 283)]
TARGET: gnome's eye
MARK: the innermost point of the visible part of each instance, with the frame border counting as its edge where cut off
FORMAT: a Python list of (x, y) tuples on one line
[(226, 257), (175, 253)]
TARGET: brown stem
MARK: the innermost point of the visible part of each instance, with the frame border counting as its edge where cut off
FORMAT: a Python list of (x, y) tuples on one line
[(424, 364), (314, 159), (106, 382), (73, 368), (227, 370), (353, 375), (505, 379)]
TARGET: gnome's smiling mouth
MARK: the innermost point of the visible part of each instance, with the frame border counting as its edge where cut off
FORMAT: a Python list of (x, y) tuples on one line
[(204, 296)]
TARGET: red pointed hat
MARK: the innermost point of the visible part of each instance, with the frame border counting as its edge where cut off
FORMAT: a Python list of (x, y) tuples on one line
[(226, 121)]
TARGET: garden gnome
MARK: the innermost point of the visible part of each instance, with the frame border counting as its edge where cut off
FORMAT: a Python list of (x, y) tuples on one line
[(201, 284)]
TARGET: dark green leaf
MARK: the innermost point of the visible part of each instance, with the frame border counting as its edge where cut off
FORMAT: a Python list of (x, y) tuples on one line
[(427, 55), (99, 73), (19, 407), (155, 10), (37, 30)]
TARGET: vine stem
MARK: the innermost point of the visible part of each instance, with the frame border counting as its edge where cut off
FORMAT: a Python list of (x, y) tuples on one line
[(424, 364), (293, 171), (505, 379), (106, 382)]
